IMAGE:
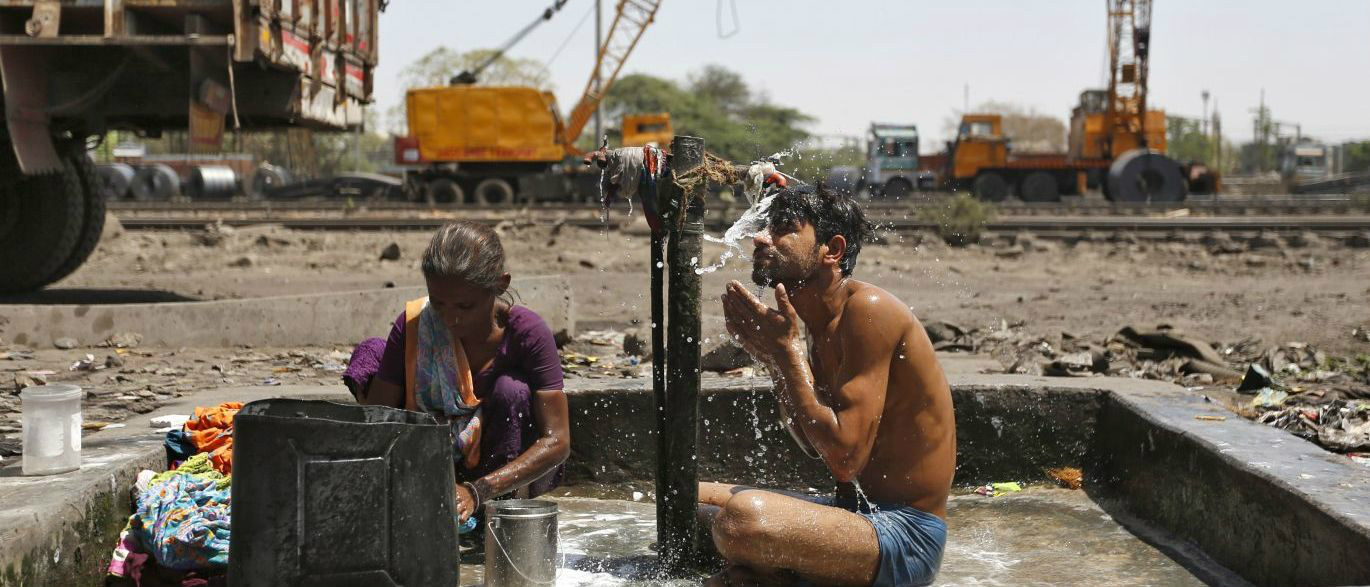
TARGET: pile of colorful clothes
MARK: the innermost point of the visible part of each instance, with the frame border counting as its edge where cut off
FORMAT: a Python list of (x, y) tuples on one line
[(179, 531)]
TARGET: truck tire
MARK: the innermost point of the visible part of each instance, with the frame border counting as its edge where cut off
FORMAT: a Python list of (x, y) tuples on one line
[(156, 182), (1039, 186), (41, 223), (93, 224), (1142, 175), (494, 191), (443, 190), (115, 179), (990, 187), (897, 189)]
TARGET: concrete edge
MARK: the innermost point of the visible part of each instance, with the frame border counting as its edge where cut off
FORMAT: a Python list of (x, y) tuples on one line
[(81, 521), (1272, 507)]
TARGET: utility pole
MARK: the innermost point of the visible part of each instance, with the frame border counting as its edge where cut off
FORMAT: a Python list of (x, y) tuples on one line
[(599, 107), (965, 99), (1204, 120)]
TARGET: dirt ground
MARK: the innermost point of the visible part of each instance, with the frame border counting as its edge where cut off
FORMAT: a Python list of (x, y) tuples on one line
[(1216, 291)]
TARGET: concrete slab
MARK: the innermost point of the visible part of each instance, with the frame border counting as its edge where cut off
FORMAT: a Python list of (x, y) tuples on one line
[(319, 319), (1267, 505), (60, 529)]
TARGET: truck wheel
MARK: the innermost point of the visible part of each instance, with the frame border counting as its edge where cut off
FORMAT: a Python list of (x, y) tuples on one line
[(494, 190), (443, 190), (41, 222), (1141, 175), (990, 187), (1039, 186), (94, 222), (897, 189)]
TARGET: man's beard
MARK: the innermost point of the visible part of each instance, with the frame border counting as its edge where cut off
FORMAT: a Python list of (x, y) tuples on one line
[(780, 270)]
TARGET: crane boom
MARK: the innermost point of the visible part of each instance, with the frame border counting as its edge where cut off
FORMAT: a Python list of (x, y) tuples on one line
[(631, 18), (1129, 38)]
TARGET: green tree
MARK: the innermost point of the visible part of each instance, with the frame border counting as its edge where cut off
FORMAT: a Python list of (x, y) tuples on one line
[(1357, 157), (1186, 141), (715, 103)]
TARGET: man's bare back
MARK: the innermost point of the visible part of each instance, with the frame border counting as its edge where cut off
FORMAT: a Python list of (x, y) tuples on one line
[(868, 398), (914, 454)]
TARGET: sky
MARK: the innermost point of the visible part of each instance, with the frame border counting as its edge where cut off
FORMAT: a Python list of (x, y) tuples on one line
[(851, 62)]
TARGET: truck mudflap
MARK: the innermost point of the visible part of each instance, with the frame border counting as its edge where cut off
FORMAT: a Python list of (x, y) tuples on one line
[(25, 79)]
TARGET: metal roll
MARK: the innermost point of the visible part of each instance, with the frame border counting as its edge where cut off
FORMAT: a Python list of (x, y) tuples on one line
[(156, 182), (266, 178), (115, 179), (1143, 175), (212, 182)]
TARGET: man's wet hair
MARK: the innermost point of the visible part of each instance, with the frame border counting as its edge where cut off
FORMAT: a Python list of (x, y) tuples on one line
[(829, 212)]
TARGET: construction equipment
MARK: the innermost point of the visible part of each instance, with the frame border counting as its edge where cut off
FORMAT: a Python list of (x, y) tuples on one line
[(1115, 142), (893, 168), (73, 70), (647, 129), (503, 144)]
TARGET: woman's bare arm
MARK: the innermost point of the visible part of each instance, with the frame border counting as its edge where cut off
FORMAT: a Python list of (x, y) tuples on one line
[(382, 393), (550, 450)]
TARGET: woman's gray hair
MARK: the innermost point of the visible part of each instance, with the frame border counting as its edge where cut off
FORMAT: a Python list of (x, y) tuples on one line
[(467, 251)]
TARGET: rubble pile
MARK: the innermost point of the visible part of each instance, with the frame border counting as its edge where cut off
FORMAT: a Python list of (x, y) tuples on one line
[(1293, 386), (120, 379)]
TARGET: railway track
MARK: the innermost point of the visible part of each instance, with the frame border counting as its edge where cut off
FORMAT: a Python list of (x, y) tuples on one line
[(1076, 206), (1337, 217)]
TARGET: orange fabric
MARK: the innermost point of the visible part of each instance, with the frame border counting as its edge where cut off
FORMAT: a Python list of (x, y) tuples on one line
[(465, 383), (412, 309), (211, 431)]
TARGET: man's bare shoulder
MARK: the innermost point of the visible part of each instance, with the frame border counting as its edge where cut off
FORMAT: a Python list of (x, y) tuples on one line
[(873, 311)]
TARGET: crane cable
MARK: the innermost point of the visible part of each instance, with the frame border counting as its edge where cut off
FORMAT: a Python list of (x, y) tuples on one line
[(718, 17), (546, 66)]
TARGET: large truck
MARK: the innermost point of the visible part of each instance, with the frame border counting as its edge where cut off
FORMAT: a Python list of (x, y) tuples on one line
[(892, 168), (74, 69), (496, 145), (1116, 142)]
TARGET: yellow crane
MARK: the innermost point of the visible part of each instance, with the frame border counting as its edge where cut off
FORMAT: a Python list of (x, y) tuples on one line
[(505, 143)]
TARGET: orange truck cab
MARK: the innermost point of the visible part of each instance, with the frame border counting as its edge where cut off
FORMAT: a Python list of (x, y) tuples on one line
[(647, 129)]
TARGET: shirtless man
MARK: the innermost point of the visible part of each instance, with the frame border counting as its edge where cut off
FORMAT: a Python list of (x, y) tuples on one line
[(868, 397)]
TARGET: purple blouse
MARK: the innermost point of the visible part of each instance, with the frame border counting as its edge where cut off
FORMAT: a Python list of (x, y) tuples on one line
[(528, 351)]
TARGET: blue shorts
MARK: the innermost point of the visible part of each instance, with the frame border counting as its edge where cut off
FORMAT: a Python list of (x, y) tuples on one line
[(911, 542)]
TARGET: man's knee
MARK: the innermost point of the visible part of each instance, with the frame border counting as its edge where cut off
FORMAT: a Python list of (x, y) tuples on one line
[(740, 524)]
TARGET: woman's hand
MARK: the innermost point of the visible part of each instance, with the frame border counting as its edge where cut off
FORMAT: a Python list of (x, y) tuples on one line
[(466, 503)]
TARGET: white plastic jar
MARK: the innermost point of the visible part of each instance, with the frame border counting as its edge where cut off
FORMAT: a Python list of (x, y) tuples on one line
[(52, 428)]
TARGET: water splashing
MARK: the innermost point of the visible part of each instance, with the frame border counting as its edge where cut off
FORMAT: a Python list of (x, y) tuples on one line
[(752, 222)]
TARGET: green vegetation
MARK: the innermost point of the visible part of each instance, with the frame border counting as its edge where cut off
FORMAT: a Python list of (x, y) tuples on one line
[(960, 219), (738, 124), (1357, 157)]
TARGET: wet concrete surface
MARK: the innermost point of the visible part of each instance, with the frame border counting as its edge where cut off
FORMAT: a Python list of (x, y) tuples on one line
[(1039, 537)]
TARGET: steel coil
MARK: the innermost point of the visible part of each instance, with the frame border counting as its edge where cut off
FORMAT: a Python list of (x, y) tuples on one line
[(212, 182), (156, 182), (115, 179)]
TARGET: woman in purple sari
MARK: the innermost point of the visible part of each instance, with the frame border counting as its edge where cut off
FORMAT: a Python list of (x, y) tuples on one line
[(470, 357)]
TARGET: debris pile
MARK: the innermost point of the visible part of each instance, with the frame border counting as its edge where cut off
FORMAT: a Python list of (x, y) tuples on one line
[(1293, 386)]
